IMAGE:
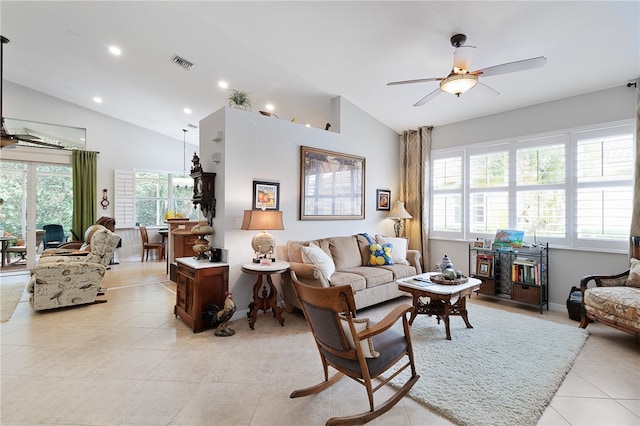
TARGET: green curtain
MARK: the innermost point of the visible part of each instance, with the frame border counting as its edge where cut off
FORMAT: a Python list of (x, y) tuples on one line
[(84, 191)]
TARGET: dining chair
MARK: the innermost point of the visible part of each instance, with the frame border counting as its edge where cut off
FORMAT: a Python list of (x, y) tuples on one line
[(357, 348), (22, 250), (147, 246)]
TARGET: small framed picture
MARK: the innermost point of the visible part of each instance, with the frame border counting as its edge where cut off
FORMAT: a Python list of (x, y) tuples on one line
[(383, 199), (478, 244), (483, 268), (486, 243), (266, 195)]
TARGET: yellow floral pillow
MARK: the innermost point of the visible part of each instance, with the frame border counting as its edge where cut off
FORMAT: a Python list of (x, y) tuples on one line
[(380, 254)]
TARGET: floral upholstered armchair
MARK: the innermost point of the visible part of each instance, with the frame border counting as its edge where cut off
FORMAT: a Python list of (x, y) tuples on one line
[(615, 300), (66, 279)]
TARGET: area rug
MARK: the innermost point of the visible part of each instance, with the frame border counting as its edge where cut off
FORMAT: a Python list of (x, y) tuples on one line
[(10, 295), (504, 371)]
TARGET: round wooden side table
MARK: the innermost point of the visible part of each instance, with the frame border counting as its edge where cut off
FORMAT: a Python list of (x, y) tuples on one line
[(268, 297)]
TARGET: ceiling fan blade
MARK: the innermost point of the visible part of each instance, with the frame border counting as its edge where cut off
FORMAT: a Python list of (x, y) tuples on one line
[(419, 80), (462, 59), (525, 64), (427, 98)]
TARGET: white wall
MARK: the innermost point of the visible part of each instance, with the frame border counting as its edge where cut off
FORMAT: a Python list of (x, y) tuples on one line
[(121, 145), (566, 267), (256, 147)]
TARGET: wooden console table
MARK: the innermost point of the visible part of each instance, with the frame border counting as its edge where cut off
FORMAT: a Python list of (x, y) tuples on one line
[(199, 283)]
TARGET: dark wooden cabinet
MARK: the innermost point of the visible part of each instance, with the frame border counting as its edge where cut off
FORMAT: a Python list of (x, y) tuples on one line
[(199, 283)]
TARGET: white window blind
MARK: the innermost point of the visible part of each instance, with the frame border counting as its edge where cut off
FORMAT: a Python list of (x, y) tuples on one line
[(124, 198)]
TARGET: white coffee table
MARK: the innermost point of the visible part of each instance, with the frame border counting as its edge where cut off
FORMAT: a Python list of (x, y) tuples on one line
[(440, 297)]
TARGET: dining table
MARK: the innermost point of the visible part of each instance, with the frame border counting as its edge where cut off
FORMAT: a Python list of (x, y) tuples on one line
[(5, 243)]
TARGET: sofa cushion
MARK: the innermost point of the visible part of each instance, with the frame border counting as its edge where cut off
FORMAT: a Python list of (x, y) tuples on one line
[(345, 252), (373, 276), (400, 271), (294, 250), (357, 282), (615, 303), (399, 248), (634, 274), (315, 255)]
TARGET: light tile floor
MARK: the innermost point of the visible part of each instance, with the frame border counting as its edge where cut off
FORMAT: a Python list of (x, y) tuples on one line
[(130, 361)]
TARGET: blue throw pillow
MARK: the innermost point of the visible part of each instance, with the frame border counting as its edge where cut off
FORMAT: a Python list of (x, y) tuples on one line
[(380, 254)]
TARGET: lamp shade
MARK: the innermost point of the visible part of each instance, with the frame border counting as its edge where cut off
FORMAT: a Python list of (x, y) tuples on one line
[(262, 220), (398, 211)]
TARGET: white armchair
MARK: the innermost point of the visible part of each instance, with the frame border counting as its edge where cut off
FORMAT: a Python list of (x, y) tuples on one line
[(65, 280)]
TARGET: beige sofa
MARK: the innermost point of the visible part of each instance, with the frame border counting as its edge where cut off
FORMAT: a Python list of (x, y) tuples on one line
[(350, 256)]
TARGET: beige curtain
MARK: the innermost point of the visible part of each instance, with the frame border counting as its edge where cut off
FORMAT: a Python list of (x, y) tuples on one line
[(635, 216), (415, 188)]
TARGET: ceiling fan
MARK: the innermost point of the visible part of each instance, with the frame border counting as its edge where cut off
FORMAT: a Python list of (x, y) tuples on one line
[(9, 139), (460, 79)]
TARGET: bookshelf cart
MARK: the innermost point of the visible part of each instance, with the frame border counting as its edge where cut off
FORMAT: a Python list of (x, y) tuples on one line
[(520, 275)]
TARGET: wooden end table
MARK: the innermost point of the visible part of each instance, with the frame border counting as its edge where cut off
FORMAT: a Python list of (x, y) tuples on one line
[(268, 297), (440, 297)]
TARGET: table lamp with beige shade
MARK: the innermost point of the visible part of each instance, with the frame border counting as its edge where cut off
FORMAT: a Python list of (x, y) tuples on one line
[(398, 214), (263, 243)]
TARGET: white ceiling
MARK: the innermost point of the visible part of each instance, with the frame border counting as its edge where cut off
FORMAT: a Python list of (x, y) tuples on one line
[(299, 55)]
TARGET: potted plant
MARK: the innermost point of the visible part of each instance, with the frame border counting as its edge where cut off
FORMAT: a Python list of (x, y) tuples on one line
[(239, 99)]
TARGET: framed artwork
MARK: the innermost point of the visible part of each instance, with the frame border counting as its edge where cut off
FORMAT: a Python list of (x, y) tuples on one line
[(383, 199), (331, 185), (478, 244), (266, 195), (483, 269)]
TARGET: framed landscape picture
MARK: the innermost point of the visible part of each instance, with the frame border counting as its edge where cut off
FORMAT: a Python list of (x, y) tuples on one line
[(266, 195), (331, 185), (383, 199)]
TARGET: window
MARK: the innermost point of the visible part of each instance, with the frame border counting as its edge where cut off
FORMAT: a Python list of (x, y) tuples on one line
[(143, 197), (572, 189), (604, 183), (163, 194), (447, 198)]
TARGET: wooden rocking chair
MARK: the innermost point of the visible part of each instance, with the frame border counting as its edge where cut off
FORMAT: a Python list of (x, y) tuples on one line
[(330, 312)]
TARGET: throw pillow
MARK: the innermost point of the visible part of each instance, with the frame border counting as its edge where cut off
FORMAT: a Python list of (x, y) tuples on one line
[(400, 245), (380, 254), (634, 273), (314, 255), (366, 345)]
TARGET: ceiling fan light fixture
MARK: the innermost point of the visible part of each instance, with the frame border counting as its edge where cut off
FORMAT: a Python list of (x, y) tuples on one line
[(457, 84)]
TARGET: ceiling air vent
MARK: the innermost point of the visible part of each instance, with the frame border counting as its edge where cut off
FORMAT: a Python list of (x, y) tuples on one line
[(183, 63)]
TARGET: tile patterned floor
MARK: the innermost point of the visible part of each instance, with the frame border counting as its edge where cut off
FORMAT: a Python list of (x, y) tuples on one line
[(131, 362)]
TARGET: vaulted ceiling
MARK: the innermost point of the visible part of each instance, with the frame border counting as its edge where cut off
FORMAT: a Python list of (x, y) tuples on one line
[(298, 55)]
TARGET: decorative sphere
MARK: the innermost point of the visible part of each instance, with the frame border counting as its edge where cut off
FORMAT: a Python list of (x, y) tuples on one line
[(263, 243), (202, 230)]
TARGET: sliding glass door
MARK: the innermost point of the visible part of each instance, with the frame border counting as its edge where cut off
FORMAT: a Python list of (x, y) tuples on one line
[(33, 195)]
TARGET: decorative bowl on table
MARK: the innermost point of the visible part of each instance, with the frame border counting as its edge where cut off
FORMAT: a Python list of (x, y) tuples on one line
[(440, 279)]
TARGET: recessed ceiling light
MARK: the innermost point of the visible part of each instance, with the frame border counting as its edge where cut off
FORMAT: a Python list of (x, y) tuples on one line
[(187, 110), (223, 84), (97, 99), (269, 107), (115, 50)]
